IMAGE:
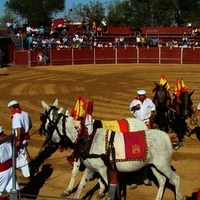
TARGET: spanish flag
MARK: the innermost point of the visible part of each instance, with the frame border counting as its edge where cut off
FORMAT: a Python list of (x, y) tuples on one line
[(183, 87), (177, 87), (79, 110), (88, 117)]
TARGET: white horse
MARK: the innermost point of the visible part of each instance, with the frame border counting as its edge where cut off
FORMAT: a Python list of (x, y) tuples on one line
[(158, 156), (128, 124)]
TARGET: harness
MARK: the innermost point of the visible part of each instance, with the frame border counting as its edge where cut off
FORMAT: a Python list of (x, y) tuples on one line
[(83, 142), (52, 126)]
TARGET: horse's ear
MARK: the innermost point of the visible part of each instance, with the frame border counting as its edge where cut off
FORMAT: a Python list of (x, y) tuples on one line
[(44, 105), (55, 103), (165, 85), (157, 85), (191, 93)]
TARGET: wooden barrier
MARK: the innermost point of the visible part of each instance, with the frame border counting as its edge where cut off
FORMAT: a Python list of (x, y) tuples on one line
[(109, 55)]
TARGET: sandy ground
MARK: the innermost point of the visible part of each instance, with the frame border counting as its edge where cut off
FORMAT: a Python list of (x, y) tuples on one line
[(111, 87)]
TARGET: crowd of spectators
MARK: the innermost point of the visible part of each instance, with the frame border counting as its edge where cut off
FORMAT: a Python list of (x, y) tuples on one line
[(90, 34)]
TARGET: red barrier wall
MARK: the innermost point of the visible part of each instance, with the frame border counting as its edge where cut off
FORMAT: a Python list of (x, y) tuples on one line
[(110, 55), (83, 56), (21, 58), (149, 55), (191, 56), (170, 55), (105, 55), (61, 57), (127, 55)]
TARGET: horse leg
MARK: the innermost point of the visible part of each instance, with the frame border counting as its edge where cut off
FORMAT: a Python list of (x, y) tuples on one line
[(87, 175), (161, 181), (173, 178), (75, 171), (103, 181), (101, 190)]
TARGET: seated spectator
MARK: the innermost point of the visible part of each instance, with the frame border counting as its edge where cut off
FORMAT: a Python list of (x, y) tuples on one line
[(184, 40), (41, 31), (29, 30), (99, 31), (138, 40), (121, 41)]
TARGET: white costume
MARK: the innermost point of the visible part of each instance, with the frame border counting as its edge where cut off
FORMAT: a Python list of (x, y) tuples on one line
[(198, 107), (22, 120), (146, 107), (6, 180)]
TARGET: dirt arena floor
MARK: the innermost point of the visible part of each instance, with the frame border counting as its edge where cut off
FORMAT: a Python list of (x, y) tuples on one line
[(111, 87)]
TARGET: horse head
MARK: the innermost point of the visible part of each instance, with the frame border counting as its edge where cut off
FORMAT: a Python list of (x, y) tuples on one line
[(161, 94), (58, 125), (186, 103)]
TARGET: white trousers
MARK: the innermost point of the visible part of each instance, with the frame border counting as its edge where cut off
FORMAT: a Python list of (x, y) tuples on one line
[(22, 160)]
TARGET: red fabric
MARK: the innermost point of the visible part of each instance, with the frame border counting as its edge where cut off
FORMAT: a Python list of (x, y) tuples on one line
[(16, 110), (198, 195), (135, 145), (123, 125), (90, 108), (2, 136), (74, 111), (6, 165), (25, 136)]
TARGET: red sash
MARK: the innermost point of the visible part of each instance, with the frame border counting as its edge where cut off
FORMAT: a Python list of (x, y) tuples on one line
[(6, 165)]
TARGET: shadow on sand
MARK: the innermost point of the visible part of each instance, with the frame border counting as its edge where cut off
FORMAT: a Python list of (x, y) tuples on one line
[(38, 178)]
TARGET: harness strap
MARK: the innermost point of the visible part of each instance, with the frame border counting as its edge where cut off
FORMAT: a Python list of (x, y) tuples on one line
[(111, 150)]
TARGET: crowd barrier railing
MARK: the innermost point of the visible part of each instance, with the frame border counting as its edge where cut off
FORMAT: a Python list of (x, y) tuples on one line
[(108, 55)]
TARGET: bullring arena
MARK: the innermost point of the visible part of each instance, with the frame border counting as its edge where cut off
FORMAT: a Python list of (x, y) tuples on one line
[(111, 87)]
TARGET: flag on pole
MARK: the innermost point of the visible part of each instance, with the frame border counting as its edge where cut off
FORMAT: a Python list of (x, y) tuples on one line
[(89, 118), (163, 81), (79, 110), (183, 87), (177, 87)]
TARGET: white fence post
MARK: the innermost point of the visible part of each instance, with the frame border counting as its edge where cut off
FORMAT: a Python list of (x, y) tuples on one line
[(116, 56), (181, 55)]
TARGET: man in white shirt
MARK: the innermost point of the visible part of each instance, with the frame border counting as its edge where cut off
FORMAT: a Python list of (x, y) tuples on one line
[(143, 108), (21, 125)]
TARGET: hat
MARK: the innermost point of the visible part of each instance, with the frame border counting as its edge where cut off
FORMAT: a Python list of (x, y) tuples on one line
[(141, 92), (1, 129), (11, 103)]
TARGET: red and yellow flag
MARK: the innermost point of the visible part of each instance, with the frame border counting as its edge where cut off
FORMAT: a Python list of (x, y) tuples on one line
[(177, 87), (180, 86), (183, 87), (163, 81), (80, 108)]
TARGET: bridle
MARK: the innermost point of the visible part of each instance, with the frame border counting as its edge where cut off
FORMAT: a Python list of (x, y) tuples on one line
[(52, 126)]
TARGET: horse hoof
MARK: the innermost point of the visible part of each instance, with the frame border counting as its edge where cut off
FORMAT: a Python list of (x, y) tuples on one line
[(65, 194), (132, 186), (100, 196)]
